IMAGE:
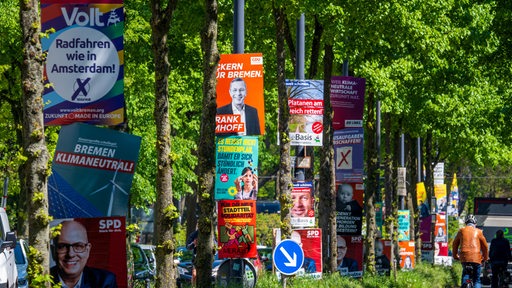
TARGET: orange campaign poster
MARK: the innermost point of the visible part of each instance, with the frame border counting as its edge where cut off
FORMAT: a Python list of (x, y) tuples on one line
[(237, 229), (406, 254), (240, 102)]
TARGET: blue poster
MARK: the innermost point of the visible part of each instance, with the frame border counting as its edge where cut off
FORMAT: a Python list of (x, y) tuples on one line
[(403, 225), (92, 172), (236, 176), (349, 155)]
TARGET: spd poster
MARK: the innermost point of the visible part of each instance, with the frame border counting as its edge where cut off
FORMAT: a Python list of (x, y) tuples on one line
[(349, 259), (347, 100), (311, 242), (236, 176), (349, 208), (84, 67), (103, 241), (240, 104), (92, 172), (306, 102), (348, 154), (237, 229)]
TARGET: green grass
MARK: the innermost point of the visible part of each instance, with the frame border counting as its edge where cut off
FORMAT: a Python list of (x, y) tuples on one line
[(423, 276)]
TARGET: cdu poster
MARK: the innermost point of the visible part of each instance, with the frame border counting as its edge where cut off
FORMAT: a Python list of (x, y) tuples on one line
[(237, 229), (347, 100), (84, 67), (240, 102), (349, 156), (92, 172), (236, 176), (306, 102)]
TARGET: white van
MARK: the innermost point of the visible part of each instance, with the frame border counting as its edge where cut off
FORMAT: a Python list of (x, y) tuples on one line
[(8, 271)]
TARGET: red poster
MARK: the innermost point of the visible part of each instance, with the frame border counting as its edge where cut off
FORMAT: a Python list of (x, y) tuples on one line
[(240, 105), (406, 254), (383, 256), (311, 242), (237, 229), (350, 255), (92, 247)]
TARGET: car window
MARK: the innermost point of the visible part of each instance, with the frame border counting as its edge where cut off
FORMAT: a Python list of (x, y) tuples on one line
[(18, 255), (138, 257)]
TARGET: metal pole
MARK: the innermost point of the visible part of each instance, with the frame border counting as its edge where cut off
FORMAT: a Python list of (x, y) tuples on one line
[(402, 163), (238, 27), (300, 173), (378, 140), (418, 145)]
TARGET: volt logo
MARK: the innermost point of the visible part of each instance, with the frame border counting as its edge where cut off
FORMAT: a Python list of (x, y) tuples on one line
[(82, 18), (81, 87)]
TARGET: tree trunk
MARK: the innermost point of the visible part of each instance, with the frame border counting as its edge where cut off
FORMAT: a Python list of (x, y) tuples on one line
[(34, 145), (165, 212), (327, 190), (206, 157), (371, 184)]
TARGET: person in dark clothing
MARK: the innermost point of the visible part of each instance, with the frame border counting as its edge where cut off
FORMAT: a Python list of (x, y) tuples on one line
[(499, 255), (192, 245)]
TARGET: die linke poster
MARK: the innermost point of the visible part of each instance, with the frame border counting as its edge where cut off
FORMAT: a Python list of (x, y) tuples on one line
[(92, 172), (306, 102), (240, 104), (84, 68), (237, 229)]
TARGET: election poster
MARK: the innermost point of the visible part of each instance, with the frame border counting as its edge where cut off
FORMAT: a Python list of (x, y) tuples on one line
[(441, 256), (349, 154), (427, 251), (237, 229), (406, 253), (453, 199), (425, 228), (349, 208), (404, 222), (311, 242), (440, 228), (441, 199), (350, 255), (383, 256), (303, 209), (306, 102), (101, 244), (236, 174), (347, 101), (240, 101), (92, 172), (84, 67)]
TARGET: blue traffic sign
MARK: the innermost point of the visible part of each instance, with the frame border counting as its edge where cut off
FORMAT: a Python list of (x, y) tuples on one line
[(288, 257)]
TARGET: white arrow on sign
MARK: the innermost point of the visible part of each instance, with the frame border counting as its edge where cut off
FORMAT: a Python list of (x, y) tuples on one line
[(292, 262)]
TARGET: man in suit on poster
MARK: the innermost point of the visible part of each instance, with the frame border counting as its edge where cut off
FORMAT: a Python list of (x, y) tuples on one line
[(71, 252), (248, 114)]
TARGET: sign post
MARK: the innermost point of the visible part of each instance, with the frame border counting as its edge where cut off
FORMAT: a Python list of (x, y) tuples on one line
[(288, 257)]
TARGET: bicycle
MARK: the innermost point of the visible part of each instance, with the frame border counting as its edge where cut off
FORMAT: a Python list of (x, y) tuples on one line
[(503, 280), (468, 271)]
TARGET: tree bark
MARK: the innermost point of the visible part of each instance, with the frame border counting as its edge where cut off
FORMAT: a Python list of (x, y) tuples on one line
[(34, 145), (206, 157), (370, 188), (165, 212), (327, 187)]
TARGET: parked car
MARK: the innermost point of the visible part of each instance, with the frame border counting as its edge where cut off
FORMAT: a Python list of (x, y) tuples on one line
[(8, 271), (184, 266), (142, 271), (21, 257), (149, 250), (265, 254)]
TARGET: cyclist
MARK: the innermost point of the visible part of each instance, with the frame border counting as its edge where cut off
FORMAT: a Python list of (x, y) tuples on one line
[(500, 255), (473, 249)]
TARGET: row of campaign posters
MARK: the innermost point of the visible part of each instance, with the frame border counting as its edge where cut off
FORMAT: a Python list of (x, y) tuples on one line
[(93, 167)]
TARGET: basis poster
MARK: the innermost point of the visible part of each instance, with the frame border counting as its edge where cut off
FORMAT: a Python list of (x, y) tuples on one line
[(237, 229), (306, 102), (303, 210)]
